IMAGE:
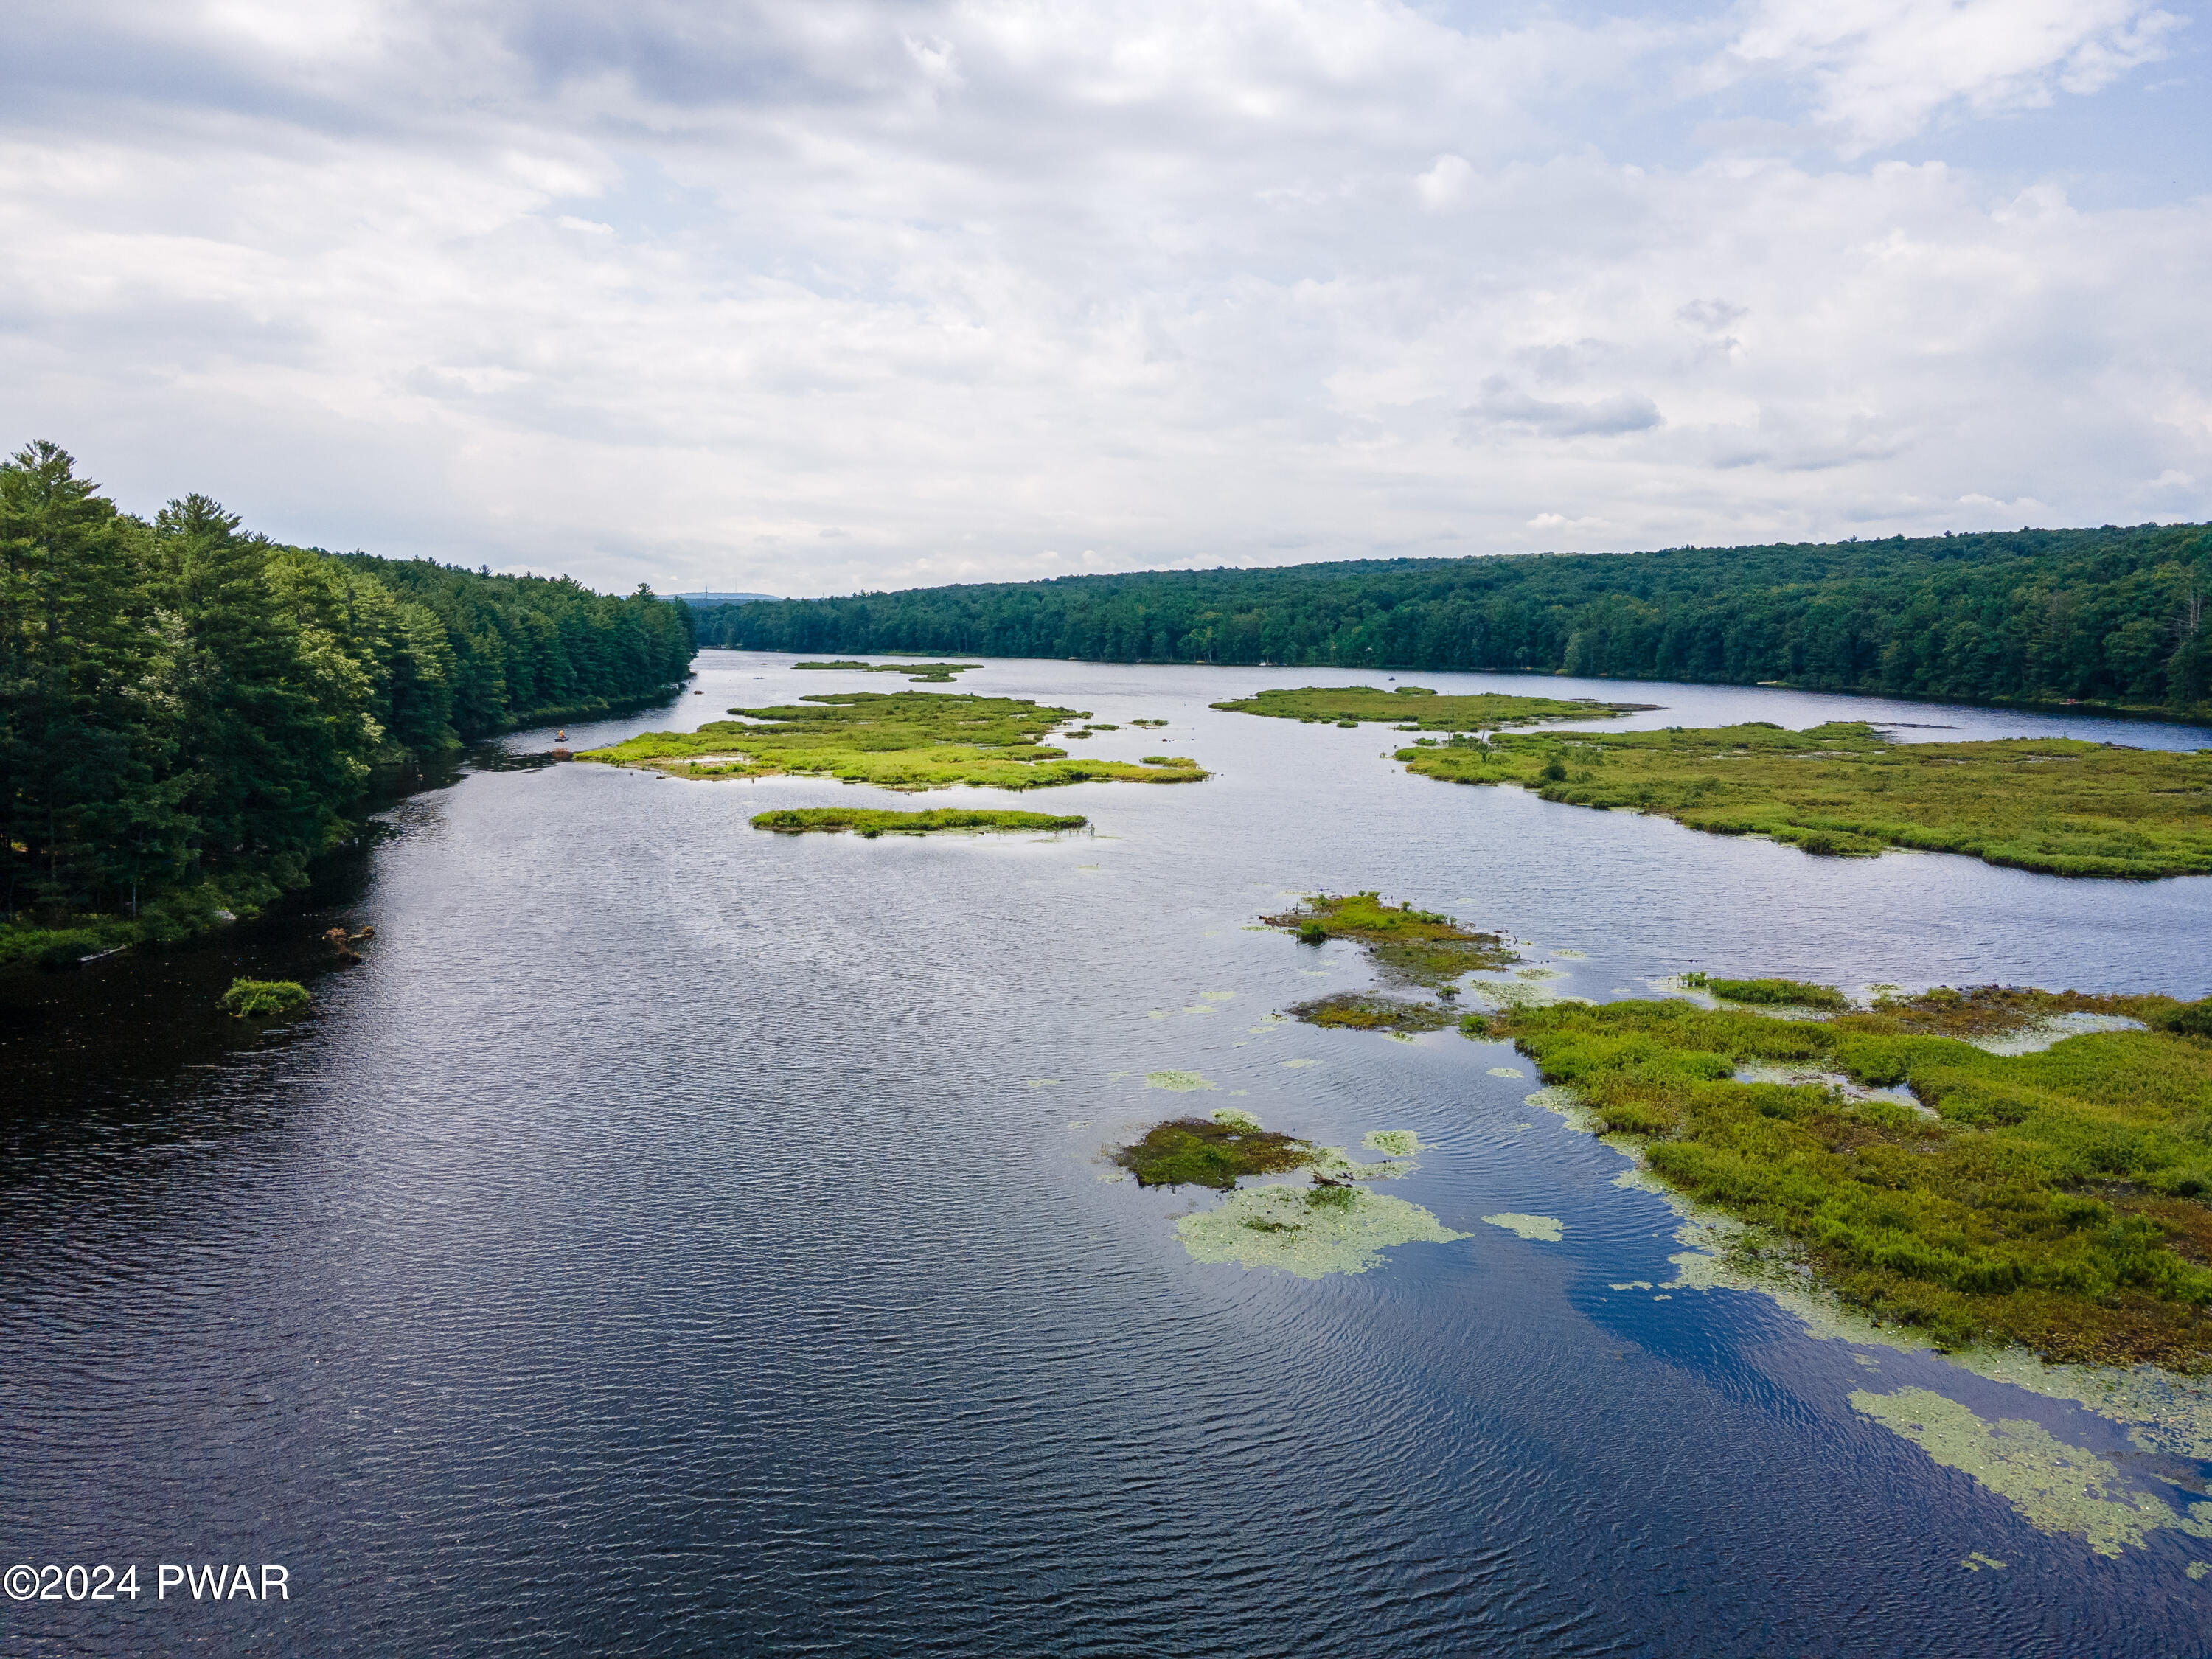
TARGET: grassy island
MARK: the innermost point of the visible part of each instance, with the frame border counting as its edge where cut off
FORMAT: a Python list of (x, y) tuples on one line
[(1200, 1151), (1411, 947), (2051, 805), (904, 740), (1370, 1010), (1418, 708), (2059, 1197), (929, 673), (871, 822)]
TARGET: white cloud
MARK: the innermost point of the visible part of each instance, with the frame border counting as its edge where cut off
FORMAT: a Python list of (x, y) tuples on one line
[(1882, 68), (675, 291)]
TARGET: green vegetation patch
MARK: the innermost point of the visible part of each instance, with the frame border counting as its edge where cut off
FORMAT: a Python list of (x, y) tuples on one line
[(1416, 947), (871, 822), (1372, 1011), (1199, 1151), (1309, 1231), (263, 999), (2057, 1199), (2055, 1487), (1416, 708), (905, 740), (930, 673), (1770, 993), (2045, 804)]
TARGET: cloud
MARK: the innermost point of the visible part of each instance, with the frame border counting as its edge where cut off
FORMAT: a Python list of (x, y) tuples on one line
[(1880, 71), (1503, 404), (672, 290)]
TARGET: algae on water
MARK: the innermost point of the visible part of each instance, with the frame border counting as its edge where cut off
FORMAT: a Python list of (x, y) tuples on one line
[(2056, 1488), (1308, 1231), (1540, 1229), (1180, 1082)]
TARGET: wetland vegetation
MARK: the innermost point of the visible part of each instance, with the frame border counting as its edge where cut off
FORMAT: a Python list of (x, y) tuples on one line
[(904, 740), (1417, 709), (2060, 1197), (1371, 1011), (1409, 946), (1211, 1152), (263, 999), (871, 822), (2051, 805), (921, 673)]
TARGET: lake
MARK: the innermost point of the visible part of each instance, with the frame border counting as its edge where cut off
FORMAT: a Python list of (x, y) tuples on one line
[(677, 1239)]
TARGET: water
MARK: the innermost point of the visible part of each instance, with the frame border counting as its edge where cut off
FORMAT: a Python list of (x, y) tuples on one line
[(673, 1239)]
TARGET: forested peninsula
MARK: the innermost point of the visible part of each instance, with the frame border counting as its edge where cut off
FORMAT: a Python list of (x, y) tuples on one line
[(189, 713), (2112, 617)]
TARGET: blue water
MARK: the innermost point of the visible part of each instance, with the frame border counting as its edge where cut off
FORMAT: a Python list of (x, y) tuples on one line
[(673, 1240)]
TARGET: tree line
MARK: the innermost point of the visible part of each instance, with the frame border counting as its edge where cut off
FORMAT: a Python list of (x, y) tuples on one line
[(189, 712), (2112, 616)]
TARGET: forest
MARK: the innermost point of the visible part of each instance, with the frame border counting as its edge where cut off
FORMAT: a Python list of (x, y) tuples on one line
[(2113, 617), (190, 713)]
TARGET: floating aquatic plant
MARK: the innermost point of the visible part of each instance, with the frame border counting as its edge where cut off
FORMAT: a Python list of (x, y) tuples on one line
[(1307, 1231), (2055, 1486), (1181, 1082), (1542, 1229)]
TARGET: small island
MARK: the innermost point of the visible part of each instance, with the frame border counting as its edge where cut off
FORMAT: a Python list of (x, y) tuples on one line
[(1409, 946), (1418, 708), (871, 822), (920, 673), (902, 740), (2051, 805)]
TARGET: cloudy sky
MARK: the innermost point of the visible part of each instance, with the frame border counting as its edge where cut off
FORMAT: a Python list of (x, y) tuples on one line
[(810, 296)]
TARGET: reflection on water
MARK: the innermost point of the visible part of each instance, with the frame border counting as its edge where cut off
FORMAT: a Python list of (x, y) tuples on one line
[(677, 1239)]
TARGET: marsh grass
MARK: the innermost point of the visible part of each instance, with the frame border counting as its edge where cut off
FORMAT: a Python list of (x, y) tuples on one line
[(1409, 946), (871, 822), (263, 999), (1772, 993), (2057, 1199), (905, 740), (1417, 709), (1197, 1152), (1370, 1010), (939, 674), (2050, 804)]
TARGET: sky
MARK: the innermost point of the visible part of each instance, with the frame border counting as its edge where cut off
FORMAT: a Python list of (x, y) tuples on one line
[(815, 296)]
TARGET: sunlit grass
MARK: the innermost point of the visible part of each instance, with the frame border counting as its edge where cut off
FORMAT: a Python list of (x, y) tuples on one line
[(871, 822), (1414, 707), (2046, 804), (904, 740)]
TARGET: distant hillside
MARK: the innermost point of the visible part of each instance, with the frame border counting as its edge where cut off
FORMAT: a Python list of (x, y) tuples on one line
[(2113, 617), (704, 600)]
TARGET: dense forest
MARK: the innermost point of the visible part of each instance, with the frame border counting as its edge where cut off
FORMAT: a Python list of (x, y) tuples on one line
[(189, 712), (2112, 616)]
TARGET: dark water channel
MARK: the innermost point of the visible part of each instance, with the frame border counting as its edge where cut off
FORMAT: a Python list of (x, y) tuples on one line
[(677, 1240)]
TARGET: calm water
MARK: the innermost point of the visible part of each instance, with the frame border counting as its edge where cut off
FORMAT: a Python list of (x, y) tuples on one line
[(676, 1239)]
